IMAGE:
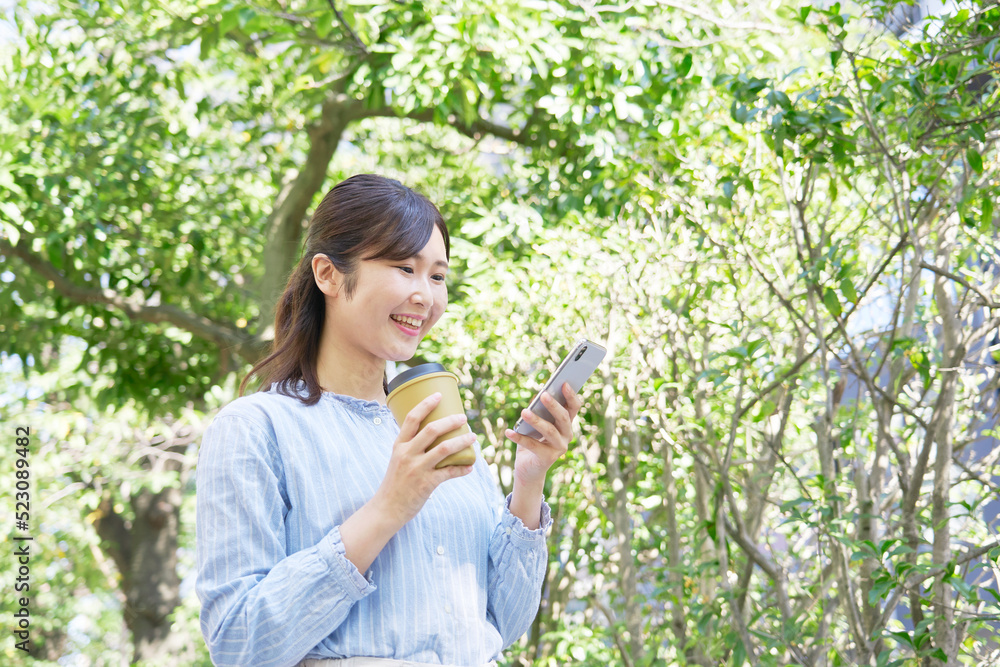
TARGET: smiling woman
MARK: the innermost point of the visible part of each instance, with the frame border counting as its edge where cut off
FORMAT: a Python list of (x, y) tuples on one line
[(366, 217), (310, 492)]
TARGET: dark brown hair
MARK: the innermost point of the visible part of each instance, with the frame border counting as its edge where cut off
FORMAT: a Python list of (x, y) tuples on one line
[(363, 217)]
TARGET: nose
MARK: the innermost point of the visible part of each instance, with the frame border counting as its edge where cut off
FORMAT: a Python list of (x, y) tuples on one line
[(422, 295)]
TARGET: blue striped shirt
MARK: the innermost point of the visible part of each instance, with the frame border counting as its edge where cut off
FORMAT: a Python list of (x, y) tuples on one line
[(460, 582)]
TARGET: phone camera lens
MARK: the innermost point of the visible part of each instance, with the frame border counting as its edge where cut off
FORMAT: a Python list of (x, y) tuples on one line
[(580, 353)]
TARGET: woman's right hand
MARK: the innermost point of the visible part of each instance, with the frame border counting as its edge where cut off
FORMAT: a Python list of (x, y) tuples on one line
[(412, 475)]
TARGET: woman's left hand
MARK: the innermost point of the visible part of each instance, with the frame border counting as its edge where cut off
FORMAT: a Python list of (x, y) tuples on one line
[(534, 457)]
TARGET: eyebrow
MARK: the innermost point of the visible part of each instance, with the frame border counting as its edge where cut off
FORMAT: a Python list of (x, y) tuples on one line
[(440, 262)]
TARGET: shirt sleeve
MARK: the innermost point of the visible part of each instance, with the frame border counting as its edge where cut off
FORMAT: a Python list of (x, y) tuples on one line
[(517, 561), (260, 605)]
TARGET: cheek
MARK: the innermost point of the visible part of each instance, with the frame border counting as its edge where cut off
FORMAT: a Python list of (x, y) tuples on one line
[(440, 303)]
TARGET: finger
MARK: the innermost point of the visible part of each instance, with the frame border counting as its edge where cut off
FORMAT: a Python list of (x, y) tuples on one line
[(449, 447), (573, 401), (543, 450), (411, 424), (558, 412), (519, 438), (435, 429), (547, 431), (450, 472)]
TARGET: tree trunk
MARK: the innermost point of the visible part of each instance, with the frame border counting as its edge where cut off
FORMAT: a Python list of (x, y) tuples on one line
[(145, 553), (678, 623), (287, 221), (945, 635), (154, 589)]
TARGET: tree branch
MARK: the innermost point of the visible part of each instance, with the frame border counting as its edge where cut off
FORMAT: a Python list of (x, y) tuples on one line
[(286, 223), (475, 130), (619, 642), (988, 302), (340, 17), (906, 584), (777, 382), (722, 23), (199, 325)]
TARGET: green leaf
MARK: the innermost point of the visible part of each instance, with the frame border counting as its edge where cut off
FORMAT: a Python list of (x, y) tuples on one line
[(324, 25), (977, 132), (766, 410), (847, 288), (54, 250), (539, 60), (779, 141), (245, 16), (229, 21), (879, 589), (883, 660), (901, 549), (974, 159), (728, 188), (739, 112), (831, 302), (685, 66), (777, 97), (209, 38), (739, 654), (987, 219)]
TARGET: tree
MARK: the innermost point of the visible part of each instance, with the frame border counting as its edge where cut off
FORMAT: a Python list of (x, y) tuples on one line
[(800, 317), (157, 149), (902, 128), (787, 265)]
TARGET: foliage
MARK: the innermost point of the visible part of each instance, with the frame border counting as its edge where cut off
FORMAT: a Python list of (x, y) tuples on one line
[(779, 221)]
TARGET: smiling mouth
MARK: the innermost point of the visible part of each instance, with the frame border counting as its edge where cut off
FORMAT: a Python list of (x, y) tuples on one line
[(406, 322)]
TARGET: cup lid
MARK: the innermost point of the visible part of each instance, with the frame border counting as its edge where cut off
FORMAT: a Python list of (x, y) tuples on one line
[(415, 372)]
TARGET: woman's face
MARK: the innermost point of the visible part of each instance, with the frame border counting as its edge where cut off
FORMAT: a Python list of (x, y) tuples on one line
[(395, 304)]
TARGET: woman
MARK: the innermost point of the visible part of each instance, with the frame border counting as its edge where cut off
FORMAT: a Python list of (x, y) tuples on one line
[(324, 531)]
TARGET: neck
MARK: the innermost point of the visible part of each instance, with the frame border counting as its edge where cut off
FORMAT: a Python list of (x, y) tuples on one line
[(346, 373)]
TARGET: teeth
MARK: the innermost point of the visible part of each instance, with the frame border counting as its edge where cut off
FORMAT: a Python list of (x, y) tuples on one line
[(407, 320)]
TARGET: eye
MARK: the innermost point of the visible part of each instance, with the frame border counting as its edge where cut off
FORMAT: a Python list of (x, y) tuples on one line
[(439, 277), (405, 269)]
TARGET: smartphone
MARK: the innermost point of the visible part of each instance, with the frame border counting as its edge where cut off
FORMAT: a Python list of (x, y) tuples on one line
[(578, 365)]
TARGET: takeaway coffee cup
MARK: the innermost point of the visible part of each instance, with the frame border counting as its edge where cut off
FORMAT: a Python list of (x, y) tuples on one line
[(414, 385)]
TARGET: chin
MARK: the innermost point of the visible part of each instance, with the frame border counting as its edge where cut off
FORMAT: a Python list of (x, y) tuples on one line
[(402, 356)]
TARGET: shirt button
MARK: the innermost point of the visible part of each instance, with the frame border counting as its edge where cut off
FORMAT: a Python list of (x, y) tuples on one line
[(447, 609), (377, 420), (508, 531), (440, 551)]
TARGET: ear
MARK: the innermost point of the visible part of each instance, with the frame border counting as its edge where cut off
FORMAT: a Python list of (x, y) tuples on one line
[(326, 275)]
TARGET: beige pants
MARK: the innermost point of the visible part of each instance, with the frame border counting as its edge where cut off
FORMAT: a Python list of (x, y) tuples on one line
[(372, 662)]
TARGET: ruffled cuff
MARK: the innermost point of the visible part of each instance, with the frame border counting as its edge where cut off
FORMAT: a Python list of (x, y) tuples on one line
[(520, 534), (332, 549)]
